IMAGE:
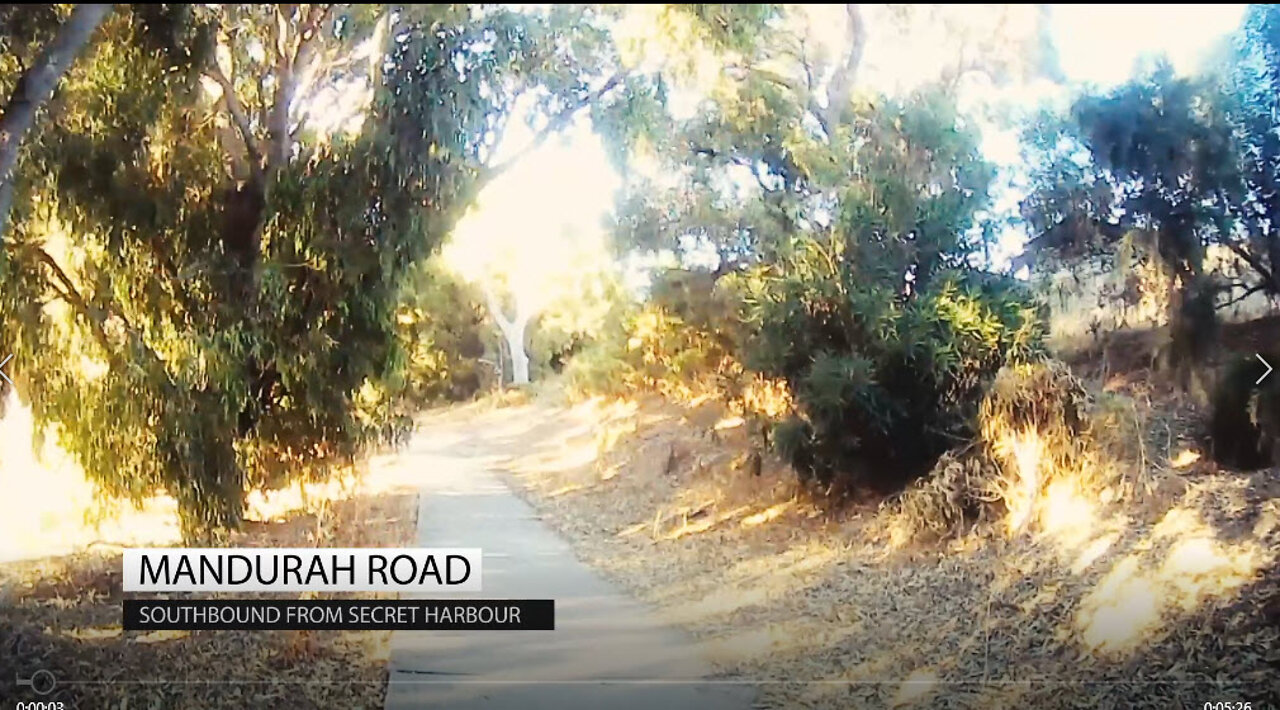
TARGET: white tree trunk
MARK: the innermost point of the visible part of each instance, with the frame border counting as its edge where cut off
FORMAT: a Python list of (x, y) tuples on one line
[(513, 332), (519, 358), (34, 88)]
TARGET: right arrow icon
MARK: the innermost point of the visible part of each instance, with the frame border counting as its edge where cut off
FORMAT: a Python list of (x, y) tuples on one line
[(1264, 375)]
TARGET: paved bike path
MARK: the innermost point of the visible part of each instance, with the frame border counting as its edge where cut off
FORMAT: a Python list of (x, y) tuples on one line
[(607, 651)]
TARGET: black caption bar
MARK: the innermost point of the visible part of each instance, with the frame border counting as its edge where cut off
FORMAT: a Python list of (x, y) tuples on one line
[(339, 614)]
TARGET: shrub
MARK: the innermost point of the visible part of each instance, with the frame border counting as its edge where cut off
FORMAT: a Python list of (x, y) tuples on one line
[(669, 355), (600, 368), (884, 379), (653, 350), (677, 343), (1244, 426)]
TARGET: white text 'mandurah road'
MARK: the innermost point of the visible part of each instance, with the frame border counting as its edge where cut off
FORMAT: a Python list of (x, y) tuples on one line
[(302, 570)]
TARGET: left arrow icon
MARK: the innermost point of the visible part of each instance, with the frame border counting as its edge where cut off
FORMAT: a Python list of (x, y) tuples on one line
[(2, 364)]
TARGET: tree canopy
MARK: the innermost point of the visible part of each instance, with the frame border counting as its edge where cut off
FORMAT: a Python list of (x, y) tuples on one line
[(1180, 163)]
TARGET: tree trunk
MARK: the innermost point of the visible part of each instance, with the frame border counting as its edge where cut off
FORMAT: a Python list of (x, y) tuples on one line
[(34, 88), (519, 358), (1193, 334), (840, 87), (512, 334)]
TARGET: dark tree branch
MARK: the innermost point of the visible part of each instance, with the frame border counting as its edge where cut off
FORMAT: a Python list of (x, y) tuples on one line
[(34, 88), (1247, 293), (71, 295), (1253, 262), (94, 316)]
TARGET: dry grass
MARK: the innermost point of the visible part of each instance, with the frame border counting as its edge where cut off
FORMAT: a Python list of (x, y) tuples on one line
[(1166, 599), (1042, 438), (60, 606)]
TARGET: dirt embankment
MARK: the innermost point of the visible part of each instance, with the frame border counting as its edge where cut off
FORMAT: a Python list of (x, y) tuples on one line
[(1165, 599)]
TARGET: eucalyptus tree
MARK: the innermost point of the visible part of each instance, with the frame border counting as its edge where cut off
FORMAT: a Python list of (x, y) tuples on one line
[(1251, 84), (1181, 163), (1167, 152), (205, 265)]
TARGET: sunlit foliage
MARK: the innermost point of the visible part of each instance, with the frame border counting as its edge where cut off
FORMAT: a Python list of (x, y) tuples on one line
[(231, 272)]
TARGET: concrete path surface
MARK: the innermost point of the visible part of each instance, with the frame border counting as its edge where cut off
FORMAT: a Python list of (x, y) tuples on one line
[(607, 650)]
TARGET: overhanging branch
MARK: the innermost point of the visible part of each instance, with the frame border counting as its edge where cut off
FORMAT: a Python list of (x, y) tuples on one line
[(1253, 262), (71, 295), (1245, 294)]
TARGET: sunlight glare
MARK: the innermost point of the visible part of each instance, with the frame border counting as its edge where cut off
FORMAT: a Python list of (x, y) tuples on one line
[(1026, 451), (1098, 44), (1185, 458), (768, 514), (540, 226), (1127, 606), (1066, 514)]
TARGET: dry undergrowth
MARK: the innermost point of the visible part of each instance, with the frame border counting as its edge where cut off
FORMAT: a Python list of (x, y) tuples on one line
[(62, 613), (1159, 594), (1042, 438)]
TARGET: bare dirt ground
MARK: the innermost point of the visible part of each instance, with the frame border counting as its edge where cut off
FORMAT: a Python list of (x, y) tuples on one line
[(60, 605), (1168, 601)]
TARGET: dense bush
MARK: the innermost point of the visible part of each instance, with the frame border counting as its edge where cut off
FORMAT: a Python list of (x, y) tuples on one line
[(1244, 426), (849, 283), (1043, 437), (652, 349), (599, 369), (883, 383)]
